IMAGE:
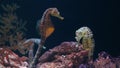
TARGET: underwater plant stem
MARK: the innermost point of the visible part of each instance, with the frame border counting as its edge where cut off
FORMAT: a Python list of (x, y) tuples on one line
[(34, 61)]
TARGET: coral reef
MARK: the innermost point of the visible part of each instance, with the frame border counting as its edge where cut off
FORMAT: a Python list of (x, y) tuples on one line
[(104, 60), (66, 55)]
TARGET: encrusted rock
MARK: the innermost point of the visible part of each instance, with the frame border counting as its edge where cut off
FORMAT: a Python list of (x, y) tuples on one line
[(66, 55), (10, 59)]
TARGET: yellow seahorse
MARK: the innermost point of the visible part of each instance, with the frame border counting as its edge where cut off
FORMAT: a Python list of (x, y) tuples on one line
[(85, 35)]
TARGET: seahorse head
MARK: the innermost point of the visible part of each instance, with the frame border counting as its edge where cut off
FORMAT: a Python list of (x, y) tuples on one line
[(56, 13), (83, 32)]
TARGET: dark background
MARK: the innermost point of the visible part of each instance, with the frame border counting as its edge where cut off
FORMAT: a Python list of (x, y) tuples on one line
[(101, 16)]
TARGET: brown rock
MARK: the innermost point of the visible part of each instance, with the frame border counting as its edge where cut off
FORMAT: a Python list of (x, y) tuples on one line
[(66, 55)]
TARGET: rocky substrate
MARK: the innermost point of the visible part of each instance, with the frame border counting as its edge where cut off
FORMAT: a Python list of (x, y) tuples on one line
[(65, 55)]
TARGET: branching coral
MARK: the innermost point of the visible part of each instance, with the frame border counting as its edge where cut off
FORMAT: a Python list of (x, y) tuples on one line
[(11, 29)]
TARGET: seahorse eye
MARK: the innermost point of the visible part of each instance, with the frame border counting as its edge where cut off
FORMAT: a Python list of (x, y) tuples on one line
[(56, 12)]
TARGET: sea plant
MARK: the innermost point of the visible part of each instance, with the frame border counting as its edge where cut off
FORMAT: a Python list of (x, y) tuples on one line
[(12, 29)]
